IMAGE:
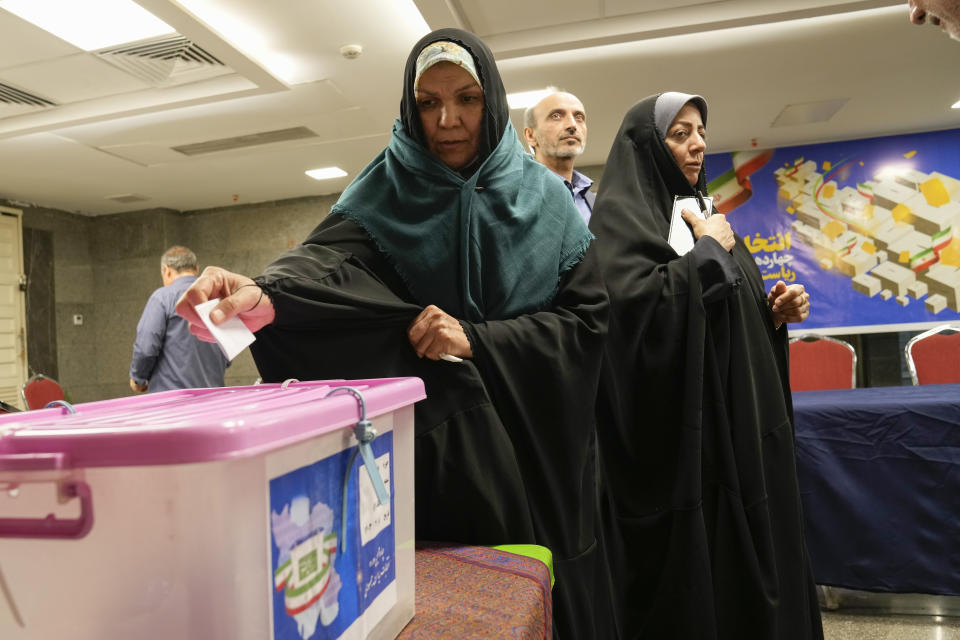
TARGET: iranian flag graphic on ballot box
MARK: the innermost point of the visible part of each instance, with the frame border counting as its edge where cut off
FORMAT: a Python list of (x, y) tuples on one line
[(332, 581)]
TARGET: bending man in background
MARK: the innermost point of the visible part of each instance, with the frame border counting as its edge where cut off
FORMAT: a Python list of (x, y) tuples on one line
[(165, 355)]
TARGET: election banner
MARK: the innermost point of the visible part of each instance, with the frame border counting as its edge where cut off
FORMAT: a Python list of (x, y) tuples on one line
[(871, 228)]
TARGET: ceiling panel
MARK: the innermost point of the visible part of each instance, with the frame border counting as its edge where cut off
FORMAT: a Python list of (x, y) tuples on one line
[(46, 164), (304, 38), (10, 110), (144, 153), (72, 78), (732, 9), (241, 116), (24, 43), (124, 105), (895, 74), (271, 175), (45, 168), (629, 7), (343, 124), (748, 57), (346, 124), (487, 17), (682, 19)]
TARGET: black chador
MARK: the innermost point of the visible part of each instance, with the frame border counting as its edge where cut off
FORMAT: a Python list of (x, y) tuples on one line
[(695, 419)]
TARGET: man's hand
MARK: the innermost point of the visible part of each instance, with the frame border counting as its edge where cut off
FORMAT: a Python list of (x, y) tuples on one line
[(139, 387), (434, 332), (239, 296)]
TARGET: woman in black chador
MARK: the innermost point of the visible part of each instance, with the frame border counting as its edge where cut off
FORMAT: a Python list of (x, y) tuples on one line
[(454, 243), (695, 416)]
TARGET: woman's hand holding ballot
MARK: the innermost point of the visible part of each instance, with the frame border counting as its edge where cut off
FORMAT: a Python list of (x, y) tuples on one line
[(716, 226), (239, 296)]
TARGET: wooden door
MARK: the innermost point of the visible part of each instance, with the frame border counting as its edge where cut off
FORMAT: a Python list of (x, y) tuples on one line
[(13, 336)]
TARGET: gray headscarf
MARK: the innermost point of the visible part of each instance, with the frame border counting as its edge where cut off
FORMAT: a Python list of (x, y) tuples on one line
[(669, 105)]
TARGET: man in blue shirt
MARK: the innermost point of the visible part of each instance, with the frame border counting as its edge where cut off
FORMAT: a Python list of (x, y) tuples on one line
[(556, 130), (166, 355)]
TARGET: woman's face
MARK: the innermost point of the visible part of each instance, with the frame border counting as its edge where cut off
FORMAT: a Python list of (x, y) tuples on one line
[(687, 139), (450, 103)]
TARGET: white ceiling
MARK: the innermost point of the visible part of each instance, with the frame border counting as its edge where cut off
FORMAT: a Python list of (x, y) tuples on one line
[(112, 125)]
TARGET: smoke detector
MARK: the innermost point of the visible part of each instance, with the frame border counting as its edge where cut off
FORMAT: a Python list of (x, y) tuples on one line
[(351, 51)]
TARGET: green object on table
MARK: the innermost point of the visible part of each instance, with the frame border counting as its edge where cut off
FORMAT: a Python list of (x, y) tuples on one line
[(534, 551)]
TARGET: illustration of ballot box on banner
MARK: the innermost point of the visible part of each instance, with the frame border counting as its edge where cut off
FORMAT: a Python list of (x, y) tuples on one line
[(271, 511)]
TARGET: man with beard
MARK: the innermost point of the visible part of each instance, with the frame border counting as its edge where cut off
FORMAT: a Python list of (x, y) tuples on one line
[(556, 130)]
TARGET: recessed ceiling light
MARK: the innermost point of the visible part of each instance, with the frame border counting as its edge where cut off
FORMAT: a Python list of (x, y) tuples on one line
[(326, 173), (92, 24), (956, 105), (524, 99)]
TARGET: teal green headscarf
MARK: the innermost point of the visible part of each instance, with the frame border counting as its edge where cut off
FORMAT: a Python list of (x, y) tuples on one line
[(488, 247)]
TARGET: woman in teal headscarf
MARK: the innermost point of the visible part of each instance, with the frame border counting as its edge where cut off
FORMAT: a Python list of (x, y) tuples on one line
[(455, 244)]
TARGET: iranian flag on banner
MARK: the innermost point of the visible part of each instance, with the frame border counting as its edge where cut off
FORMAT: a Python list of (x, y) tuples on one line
[(733, 188)]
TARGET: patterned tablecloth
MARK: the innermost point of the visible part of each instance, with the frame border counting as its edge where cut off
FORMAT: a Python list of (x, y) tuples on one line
[(477, 592)]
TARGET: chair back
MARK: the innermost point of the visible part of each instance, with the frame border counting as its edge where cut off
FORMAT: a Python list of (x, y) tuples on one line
[(818, 362), (39, 391), (934, 356)]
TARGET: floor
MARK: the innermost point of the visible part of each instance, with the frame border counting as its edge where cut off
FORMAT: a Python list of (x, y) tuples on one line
[(871, 626), (857, 615)]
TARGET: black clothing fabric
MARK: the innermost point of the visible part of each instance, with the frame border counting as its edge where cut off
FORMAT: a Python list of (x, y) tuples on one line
[(496, 111), (695, 420), (505, 442)]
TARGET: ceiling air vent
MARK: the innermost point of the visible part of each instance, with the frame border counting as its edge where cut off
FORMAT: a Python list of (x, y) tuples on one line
[(808, 112), (164, 60), (127, 198), (249, 140), (12, 95)]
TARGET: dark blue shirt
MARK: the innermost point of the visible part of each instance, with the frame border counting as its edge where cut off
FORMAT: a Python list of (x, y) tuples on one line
[(166, 354), (579, 189)]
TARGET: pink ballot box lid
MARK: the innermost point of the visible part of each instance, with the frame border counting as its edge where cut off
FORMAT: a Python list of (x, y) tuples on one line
[(193, 425)]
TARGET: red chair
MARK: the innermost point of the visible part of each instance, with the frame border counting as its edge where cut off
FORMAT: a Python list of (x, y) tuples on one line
[(934, 356), (818, 362), (39, 391)]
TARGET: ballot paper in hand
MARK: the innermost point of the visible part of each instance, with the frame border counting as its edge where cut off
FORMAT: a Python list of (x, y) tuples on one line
[(680, 236), (232, 336)]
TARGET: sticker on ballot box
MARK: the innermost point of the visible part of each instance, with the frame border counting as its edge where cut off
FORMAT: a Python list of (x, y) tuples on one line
[(374, 517), (323, 585)]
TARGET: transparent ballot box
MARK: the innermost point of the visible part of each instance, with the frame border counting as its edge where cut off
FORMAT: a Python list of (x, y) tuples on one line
[(270, 511)]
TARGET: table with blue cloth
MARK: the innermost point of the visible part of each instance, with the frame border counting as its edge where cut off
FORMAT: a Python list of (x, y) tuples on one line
[(879, 472)]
